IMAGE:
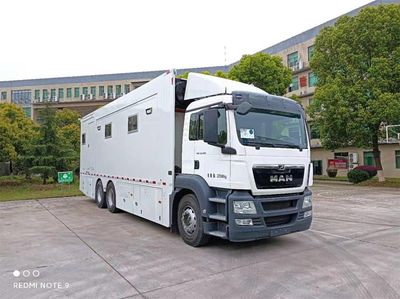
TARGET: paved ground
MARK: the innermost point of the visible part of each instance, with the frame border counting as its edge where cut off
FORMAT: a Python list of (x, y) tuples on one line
[(78, 250)]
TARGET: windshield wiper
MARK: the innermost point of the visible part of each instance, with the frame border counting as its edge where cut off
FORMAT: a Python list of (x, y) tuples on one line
[(258, 144), (290, 145)]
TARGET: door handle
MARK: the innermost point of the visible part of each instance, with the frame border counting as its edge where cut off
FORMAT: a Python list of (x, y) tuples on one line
[(196, 164)]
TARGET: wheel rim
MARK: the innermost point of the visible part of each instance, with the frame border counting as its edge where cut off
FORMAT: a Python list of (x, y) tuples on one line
[(110, 197), (189, 221), (98, 193)]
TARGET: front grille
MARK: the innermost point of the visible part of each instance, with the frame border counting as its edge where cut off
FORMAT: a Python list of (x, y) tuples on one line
[(279, 205), (275, 177), (257, 221), (277, 220)]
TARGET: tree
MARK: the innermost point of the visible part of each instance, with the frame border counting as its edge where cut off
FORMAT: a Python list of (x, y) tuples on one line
[(16, 131), (357, 62), (186, 74), (68, 128), (49, 153), (264, 71)]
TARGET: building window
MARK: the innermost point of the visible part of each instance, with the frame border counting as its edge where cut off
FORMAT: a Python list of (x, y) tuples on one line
[(69, 92), (110, 90), (310, 52), (369, 159), (83, 138), (76, 92), (118, 90), (61, 93), (37, 94), (341, 155), (4, 95), (295, 84), (132, 123), (45, 93), (293, 60), (93, 90), (101, 91), (312, 79), (53, 93), (127, 88), (85, 91), (397, 158), (107, 130)]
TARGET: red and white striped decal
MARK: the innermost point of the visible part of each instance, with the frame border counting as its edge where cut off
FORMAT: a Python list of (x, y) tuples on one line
[(143, 181)]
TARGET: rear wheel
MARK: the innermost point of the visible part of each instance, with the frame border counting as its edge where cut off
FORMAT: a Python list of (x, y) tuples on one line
[(190, 222), (111, 198), (99, 196)]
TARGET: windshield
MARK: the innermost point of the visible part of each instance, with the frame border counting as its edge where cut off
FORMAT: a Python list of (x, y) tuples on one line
[(271, 129)]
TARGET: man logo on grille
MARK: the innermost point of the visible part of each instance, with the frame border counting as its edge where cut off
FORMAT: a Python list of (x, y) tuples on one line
[(281, 178), (281, 167)]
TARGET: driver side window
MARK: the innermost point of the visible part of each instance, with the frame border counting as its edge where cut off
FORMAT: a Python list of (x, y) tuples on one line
[(196, 126)]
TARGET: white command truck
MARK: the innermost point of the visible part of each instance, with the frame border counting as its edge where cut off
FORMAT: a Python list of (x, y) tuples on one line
[(204, 156)]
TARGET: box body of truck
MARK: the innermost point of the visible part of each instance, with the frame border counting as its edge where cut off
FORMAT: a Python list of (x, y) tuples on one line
[(173, 140)]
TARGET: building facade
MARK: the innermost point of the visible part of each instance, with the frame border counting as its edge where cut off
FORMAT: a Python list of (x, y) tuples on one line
[(296, 53), (87, 93)]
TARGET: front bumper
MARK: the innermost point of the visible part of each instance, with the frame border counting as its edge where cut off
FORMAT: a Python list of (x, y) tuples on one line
[(276, 215)]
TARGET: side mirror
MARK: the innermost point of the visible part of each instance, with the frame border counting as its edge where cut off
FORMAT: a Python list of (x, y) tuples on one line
[(211, 126), (244, 108)]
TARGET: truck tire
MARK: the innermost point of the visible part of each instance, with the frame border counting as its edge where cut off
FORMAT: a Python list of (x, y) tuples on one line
[(99, 195), (190, 222), (111, 198)]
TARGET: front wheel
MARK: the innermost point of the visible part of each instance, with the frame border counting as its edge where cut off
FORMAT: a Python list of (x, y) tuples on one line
[(190, 222)]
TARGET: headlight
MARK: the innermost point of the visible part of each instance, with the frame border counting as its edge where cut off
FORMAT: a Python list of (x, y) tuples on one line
[(244, 207), (307, 202)]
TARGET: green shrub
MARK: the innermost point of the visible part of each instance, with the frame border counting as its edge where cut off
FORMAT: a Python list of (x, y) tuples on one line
[(357, 176)]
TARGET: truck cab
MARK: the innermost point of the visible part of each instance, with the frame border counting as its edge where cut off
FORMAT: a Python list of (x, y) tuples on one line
[(246, 159)]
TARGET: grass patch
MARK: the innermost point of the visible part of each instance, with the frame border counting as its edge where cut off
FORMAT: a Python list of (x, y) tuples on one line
[(19, 188), (327, 178), (389, 182)]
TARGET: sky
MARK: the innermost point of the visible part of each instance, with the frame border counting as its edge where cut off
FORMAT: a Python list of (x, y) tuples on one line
[(55, 38)]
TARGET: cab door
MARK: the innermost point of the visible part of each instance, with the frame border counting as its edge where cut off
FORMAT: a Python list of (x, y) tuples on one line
[(209, 161)]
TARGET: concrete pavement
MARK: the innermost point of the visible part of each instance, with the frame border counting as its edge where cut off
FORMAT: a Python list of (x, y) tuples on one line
[(77, 250)]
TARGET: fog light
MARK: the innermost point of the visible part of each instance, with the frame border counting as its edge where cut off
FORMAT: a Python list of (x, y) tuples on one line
[(244, 221), (307, 201), (307, 214), (244, 207)]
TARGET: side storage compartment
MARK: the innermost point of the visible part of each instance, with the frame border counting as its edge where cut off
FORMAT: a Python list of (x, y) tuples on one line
[(148, 202), (125, 198)]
